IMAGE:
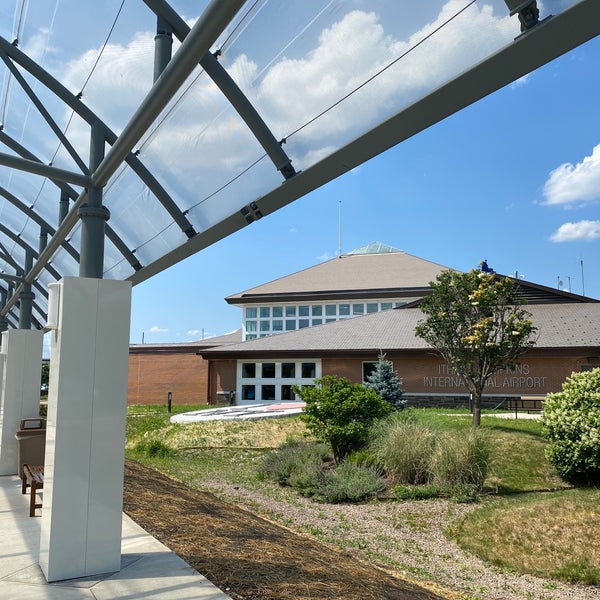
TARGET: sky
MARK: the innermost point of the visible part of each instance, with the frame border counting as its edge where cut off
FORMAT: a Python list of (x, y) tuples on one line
[(513, 179)]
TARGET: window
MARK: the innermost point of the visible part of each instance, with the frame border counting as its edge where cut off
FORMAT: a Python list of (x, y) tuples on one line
[(290, 325), (308, 370), (303, 311), (317, 310), (251, 326), (367, 369), (330, 310), (344, 310), (272, 381), (248, 392), (317, 321), (248, 370), (265, 312), (251, 336), (386, 305), (290, 311), (277, 324), (372, 307), (302, 323), (251, 312), (358, 309), (268, 392), (265, 325), (288, 370), (268, 370), (277, 312)]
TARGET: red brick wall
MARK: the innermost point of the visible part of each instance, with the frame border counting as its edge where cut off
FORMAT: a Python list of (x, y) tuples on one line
[(223, 375), (153, 375), (423, 374)]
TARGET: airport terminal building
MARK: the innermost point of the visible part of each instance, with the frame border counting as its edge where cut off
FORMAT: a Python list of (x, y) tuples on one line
[(336, 318)]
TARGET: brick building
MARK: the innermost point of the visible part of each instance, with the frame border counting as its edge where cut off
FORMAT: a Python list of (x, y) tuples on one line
[(336, 317)]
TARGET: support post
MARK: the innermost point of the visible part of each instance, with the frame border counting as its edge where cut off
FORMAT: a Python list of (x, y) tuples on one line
[(21, 363), (26, 296), (63, 207), (163, 46), (85, 432), (93, 214)]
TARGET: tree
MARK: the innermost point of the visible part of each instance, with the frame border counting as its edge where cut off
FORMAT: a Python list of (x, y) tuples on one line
[(384, 380), (476, 322), (340, 412)]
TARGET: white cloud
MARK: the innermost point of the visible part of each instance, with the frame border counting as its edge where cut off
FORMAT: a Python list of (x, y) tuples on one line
[(572, 184), (572, 232), (194, 332), (157, 329)]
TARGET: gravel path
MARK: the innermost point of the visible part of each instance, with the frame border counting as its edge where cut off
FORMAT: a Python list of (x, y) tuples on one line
[(406, 537)]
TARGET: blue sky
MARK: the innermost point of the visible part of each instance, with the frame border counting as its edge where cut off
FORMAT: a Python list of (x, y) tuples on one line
[(514, 179)]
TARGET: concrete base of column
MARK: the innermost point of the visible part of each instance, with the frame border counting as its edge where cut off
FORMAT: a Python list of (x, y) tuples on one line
[(21, 365), (87, 401)]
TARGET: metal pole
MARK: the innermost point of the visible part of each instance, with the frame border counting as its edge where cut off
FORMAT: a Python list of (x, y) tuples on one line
[(63, 206), (43, 240), (163, 45), (26, 296), (93, 214)]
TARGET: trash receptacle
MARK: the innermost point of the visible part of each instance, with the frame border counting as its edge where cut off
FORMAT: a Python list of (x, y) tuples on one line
[(31, 442)]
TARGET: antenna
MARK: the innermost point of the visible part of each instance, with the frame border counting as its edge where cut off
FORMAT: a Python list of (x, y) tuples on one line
[(340, 229), (582, 282)]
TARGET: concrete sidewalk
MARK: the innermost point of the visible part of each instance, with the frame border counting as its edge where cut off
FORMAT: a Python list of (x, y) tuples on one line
[(149, 569)]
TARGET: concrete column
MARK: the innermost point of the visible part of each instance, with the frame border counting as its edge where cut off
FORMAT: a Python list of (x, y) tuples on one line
[(85, 436), (21, 365)]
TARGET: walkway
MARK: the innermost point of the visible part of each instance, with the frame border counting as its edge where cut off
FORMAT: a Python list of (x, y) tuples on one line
[(149, 569)]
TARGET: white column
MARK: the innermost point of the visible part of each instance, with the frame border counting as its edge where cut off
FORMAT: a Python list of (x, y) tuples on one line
[(85, 438), (21, 365)]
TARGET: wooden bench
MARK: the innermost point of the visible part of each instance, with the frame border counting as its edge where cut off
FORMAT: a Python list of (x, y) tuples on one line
[(33, 478)]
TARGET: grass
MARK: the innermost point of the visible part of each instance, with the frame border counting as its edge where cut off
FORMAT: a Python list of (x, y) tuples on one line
[(529, 521), (553, 536)]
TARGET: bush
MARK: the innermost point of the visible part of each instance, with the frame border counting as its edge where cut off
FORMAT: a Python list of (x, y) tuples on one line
[(461, 460), (296, 464), (340, 413), (403, 448), (350, 482), (571, 424)]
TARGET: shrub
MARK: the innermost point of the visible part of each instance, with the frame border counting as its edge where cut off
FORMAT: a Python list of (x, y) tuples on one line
[(384, 380), (296, 464), (571, 424), (416, 492), (461, 460), (340, 413), (350, 482), (403, 448)]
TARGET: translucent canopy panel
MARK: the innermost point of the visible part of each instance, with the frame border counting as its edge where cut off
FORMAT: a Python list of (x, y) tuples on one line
[(207, 116)]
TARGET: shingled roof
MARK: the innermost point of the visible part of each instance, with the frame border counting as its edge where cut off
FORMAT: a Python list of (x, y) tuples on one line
[(373, 271), (559, 326)]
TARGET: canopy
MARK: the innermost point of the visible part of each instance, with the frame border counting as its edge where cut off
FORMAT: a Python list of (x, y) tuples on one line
[(183, 122)]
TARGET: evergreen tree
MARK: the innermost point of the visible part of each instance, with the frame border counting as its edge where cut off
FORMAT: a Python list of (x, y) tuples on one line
[(384, 380)]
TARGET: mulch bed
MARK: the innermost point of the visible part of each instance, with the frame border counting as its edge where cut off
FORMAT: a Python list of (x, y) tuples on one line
[(249, 557)]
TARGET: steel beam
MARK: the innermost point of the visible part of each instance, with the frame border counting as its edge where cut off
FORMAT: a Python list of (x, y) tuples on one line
[(74, 102), (540, 45), (42, 109), (230, 90), (207, 29), (38, 168)]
